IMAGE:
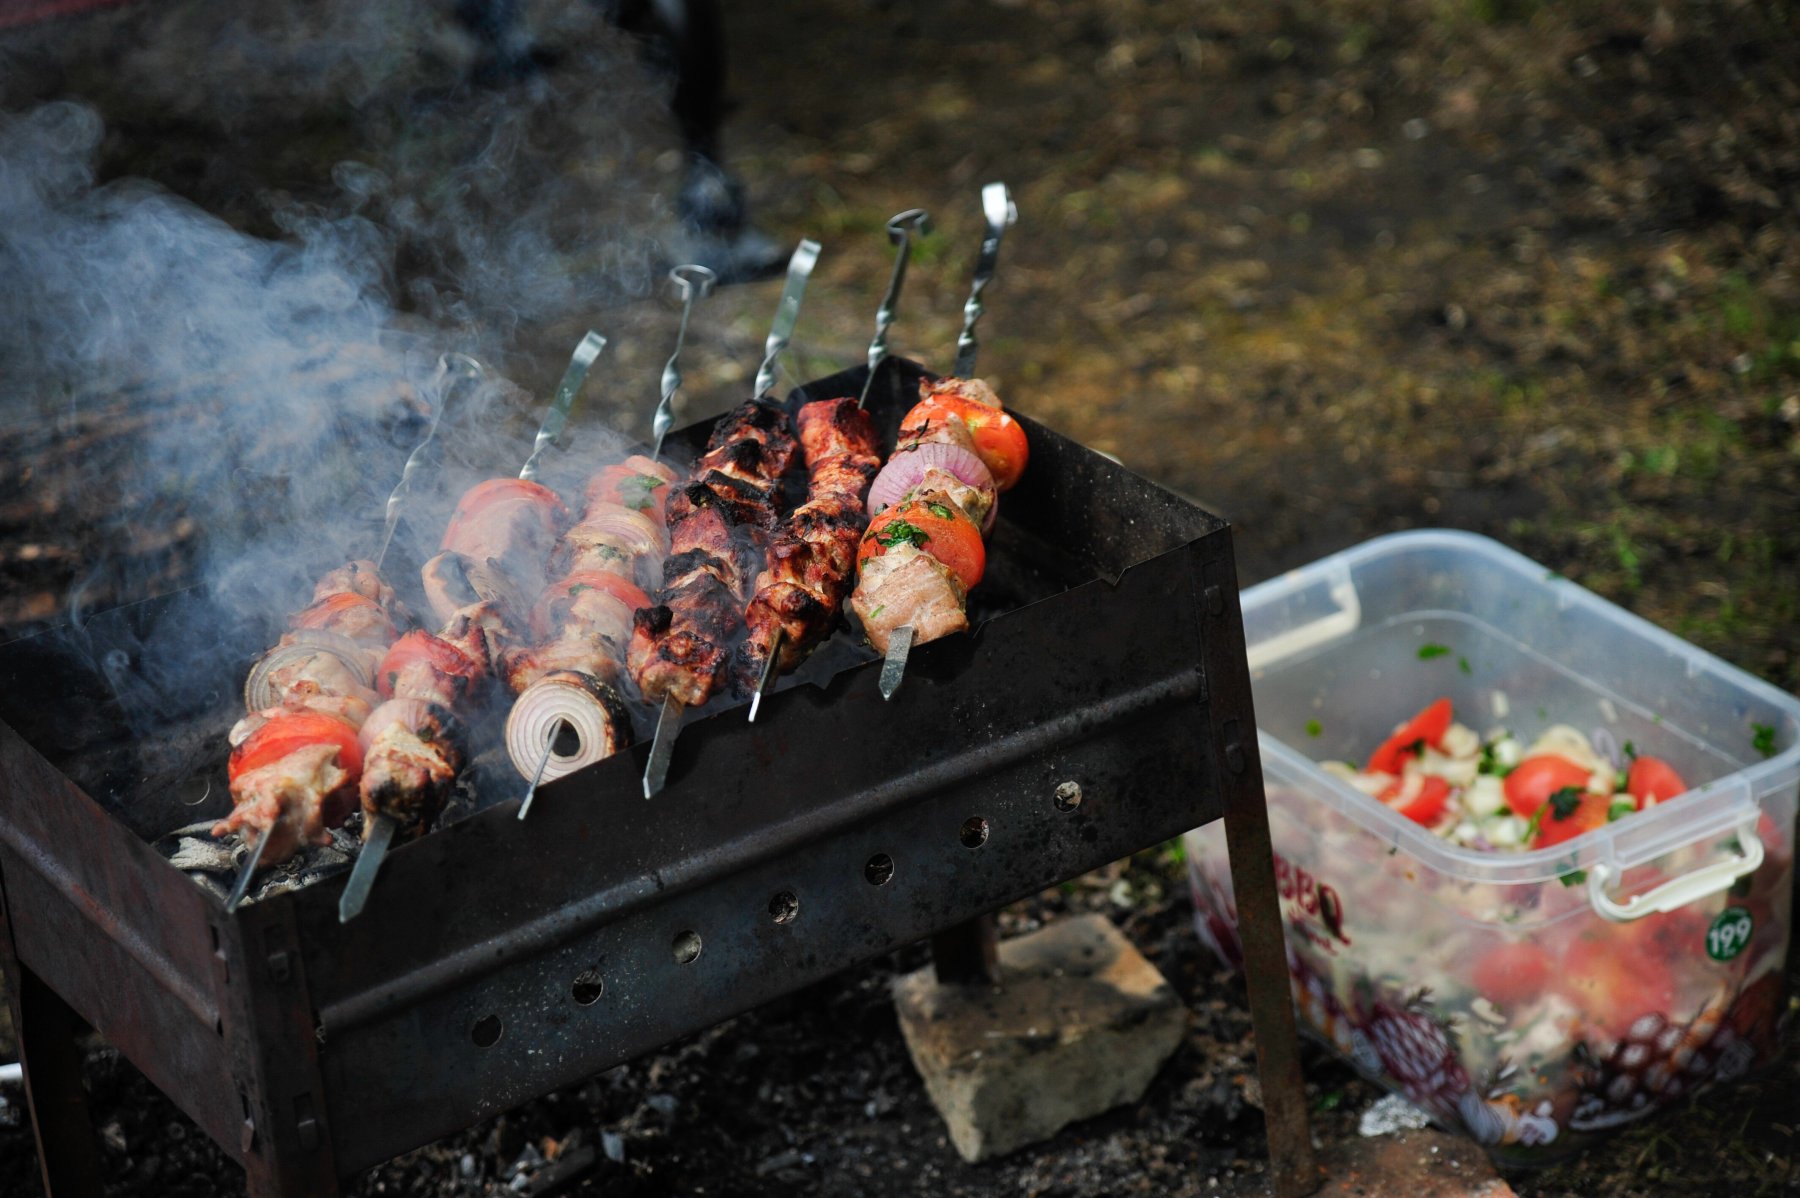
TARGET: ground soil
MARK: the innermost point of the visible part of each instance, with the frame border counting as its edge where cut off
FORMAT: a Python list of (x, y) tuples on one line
[(1334, 268)]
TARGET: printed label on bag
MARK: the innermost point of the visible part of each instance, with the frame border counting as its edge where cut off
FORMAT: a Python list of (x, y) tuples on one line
[(1730, 933)]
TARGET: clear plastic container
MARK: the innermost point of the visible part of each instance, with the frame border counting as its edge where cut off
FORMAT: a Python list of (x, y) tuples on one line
[(1531, 1000)]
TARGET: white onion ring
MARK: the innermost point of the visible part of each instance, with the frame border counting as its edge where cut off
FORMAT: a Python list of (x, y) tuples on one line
[(537, 716), (903, 470), (260, 693)]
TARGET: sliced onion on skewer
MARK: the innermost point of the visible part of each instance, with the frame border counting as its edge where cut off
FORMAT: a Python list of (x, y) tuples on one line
[(261, 689), (598, 725), (904, 470)]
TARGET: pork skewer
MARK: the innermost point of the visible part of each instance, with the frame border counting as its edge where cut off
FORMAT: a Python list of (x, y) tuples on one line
[(1000, 213), (324, 665), (568, 714), (495, 547), (678, 647)]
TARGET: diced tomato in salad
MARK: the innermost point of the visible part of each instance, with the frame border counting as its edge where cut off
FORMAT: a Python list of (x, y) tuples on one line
[(1499, 793)]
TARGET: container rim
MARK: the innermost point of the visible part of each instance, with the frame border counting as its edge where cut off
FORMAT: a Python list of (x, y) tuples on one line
[(1670, 825)]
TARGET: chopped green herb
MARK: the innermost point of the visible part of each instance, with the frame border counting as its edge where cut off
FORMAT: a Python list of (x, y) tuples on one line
[(608, 552), (1314, 728), (941, 511), (1630, 751), (1329, 1101), (878, 610), (1564, 802), (1574, 877), (1619, 809), (1462, 663), (901, 533), (1417, 748), (580, 587), (393, 679), (1536, 822), (639, 490), (1763, 740), (1427, 652)]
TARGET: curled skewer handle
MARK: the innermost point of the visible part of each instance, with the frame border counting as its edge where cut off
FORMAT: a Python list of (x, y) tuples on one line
[(799, 270), (900, 231), (558, 415), (452, 369), (1000, 211), (695, 283)]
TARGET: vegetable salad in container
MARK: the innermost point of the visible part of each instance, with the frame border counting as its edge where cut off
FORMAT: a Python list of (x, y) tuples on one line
[(1534, 855)]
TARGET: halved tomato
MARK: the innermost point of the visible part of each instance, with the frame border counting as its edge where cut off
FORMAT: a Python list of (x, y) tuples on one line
[(1535, 779), (296, 730), (934, 525), (1000, 442), (1428, 726), (1652, 780), (419, 645), (483, 495)]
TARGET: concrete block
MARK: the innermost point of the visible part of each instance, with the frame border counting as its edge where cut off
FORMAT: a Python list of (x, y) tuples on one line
[(1079, 1024)]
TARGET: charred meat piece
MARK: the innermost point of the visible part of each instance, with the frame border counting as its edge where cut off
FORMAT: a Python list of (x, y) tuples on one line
[(719, 526), (812, 560), (908, 586)]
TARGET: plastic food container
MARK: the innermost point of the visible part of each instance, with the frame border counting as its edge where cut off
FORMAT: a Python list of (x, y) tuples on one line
[(1532, 1000)]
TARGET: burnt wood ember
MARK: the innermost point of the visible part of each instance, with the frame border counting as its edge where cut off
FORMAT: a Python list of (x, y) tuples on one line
[(310, 1050)]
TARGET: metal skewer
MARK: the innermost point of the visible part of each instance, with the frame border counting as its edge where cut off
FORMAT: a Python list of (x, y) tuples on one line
[(467, 369), (787, 313), (662, 747), (997, 206), (382, 827), (242, 886), (538, 775), (900, 231), (768, 672), (695, 283)]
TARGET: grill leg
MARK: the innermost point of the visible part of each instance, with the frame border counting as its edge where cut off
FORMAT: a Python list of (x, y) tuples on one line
[(968, 954), (68, 1150)]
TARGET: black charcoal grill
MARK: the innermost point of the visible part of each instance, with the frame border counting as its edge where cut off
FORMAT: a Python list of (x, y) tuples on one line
[(1102, 707)]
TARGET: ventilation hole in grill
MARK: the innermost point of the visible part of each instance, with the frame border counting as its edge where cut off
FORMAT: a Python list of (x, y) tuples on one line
[(205, 793), (1068, 796), (974, 832), (486, 1032), (567, 741), (686, 948), (879, 870), (588, 987), (784, 907)]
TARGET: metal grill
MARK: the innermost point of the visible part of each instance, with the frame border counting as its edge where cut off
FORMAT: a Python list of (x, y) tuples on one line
[(1101, 706)]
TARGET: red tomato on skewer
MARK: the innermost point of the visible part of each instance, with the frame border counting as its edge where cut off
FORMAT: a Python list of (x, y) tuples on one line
[(420, 645), (934, 525), (1000, 442), (293, 730)]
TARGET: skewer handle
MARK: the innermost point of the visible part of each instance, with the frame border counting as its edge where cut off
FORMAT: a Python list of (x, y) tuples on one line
[(787, 313), (900, 231), (997, 206), (368, 864), (558, 415), (695, 282), (464, 368), (893, 666)]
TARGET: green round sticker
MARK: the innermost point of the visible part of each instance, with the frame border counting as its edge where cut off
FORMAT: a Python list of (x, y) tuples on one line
[(1729, 933)]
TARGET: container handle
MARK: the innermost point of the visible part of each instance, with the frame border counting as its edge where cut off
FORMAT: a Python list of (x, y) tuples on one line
[(1678, 892), (1346, 619)]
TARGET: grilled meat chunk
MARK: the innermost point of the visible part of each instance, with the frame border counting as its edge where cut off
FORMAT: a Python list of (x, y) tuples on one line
[(908, 586)]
